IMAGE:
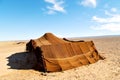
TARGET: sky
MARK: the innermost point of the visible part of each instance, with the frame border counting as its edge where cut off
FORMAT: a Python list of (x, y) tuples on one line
[(30, 19)]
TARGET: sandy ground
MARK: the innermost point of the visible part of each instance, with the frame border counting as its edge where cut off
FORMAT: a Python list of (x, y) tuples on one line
[(16, 64)]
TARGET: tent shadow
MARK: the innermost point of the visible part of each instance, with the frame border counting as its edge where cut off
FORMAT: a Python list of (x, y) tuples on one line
[(22, 60)]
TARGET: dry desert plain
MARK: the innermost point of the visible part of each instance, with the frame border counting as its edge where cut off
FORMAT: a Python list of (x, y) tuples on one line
[(16, 64)]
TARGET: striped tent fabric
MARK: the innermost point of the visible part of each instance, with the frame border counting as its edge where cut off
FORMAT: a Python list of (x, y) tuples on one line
[(57, 54)]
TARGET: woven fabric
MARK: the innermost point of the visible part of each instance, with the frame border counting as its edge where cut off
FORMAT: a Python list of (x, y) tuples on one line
[(59, 55)]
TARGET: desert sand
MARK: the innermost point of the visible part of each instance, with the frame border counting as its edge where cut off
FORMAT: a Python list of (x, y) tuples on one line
[(16, 64)]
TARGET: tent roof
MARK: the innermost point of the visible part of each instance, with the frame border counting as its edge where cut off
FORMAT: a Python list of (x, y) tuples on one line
[(48, 39)]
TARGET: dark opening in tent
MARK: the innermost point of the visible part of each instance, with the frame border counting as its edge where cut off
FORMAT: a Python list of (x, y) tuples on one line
[(56, 54)]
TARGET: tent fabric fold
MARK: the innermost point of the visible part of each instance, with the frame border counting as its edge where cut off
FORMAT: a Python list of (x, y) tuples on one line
[(56, 54)]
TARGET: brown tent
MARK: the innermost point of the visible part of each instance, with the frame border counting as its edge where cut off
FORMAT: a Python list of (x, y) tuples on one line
[(56, 54)]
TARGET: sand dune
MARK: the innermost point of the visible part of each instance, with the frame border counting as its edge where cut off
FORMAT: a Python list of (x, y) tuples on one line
[(16, 64)]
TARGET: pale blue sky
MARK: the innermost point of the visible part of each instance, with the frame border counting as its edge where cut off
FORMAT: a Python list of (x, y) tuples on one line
[(26, 19)]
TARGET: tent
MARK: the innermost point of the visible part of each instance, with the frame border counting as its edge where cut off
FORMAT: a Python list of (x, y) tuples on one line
[(57, 54)]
